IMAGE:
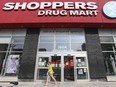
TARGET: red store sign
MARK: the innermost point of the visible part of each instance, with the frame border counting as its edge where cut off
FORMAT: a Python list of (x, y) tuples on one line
[(55, 13)]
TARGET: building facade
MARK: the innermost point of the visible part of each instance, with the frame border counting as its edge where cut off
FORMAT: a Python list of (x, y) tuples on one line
[(78, 37)]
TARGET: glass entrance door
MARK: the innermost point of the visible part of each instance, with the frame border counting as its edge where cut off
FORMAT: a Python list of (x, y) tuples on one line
[(56, 64), (68, 68), (41, 71), (75, 67), (42, 67), (81, 68)]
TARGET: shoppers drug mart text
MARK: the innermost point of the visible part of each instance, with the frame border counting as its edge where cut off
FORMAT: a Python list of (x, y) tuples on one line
[(55, 8)]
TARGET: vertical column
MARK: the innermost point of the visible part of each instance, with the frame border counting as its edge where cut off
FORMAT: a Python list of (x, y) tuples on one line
[(94, 52), (28, 59)]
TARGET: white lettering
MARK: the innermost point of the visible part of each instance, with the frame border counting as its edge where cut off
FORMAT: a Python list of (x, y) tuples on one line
[(33, 5), (82, 12), (22, 6), (63, 12), (95, 12), (52, 12), (67, 8), (8, 6), (41, 12), (45, 4), (68, 5), (92, 5), (56, 5), (48, 12), (73, 12), (55, 12), (80, 5)]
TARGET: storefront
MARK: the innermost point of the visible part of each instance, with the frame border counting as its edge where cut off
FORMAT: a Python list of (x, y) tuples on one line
[(78, 37), (66, 49)]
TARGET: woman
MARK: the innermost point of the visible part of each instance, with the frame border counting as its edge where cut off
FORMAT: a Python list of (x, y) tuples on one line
[(50, 73)]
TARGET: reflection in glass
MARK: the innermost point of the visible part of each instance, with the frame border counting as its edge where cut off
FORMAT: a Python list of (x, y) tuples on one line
[(56, 64), (42, 74), (115, 39), (78, 47), (82, 73), (42, 62), (110, 62), (78, 38), (106, 39), (62, 39), (17, 43), (108, 47), (81, 62), (46, 46), (3, 47), (17, 47), (18, 39), (68, 68), (46, 39), (2, 57)]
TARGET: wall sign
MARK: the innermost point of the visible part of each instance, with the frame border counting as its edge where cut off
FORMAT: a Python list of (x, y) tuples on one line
[(55, 8), (109, 9)]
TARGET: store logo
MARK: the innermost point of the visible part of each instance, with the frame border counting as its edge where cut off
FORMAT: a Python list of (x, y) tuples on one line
[(109, 9), (55, 8)]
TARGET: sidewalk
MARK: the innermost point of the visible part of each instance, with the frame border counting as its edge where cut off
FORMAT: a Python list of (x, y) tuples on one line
[(65, 84)]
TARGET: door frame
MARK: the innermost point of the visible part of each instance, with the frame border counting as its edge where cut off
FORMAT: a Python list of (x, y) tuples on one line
[(62, 54)]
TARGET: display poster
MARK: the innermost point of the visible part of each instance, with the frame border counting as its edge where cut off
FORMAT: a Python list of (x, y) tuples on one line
[(12, 64), (80, 71)]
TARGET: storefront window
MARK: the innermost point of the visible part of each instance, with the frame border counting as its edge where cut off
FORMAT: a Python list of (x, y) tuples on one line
[(62, 46), (62, 39), (17, 43), (46, 39), (110, 62), (106, 39), (42, 68), (108, 44), (81, 68), (11, 47), (114, 38), (46, 47), (107, 47), (78, 47), (79, 38)]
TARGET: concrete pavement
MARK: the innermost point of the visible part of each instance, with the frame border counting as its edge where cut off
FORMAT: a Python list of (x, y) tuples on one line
[(65, 84)]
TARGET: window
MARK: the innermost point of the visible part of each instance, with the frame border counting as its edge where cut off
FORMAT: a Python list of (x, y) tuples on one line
[(106, 39), (62, 40), (11, 45), (108, 44)]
